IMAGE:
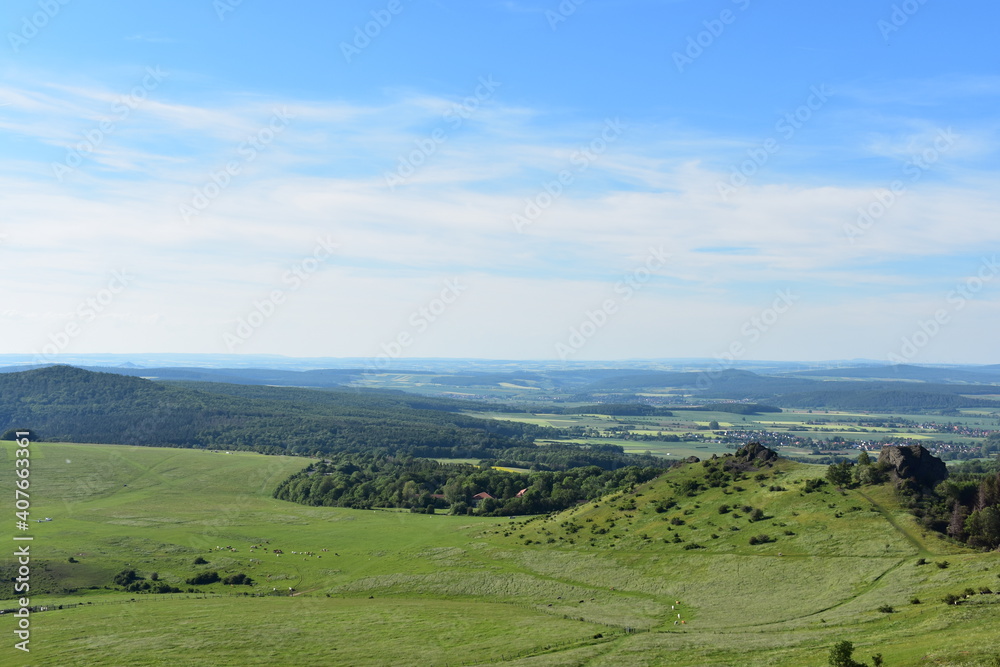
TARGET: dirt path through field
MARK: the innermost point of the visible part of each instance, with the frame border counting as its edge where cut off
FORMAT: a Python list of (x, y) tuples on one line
[(913, 539)]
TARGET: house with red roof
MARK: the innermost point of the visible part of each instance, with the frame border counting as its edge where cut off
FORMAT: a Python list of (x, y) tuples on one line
[(480, 497)]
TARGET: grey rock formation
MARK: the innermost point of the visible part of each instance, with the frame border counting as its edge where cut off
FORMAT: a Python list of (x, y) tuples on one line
[(913, 462)]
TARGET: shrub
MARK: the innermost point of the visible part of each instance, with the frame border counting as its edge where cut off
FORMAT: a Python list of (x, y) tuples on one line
[(951, 598), (200, 561), (238, 580), (162, 587), (886, 609), (203, 578), (943, 564), (125, 578), (761, 539), (921, 561), (814, 484), (914, 600)]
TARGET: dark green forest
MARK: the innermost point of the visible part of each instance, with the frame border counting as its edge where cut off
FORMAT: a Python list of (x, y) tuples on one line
[(62, 403), (966, 507), (364, 481)]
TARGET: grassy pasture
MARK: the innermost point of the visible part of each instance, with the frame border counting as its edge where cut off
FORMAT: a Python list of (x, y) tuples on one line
[(398, 589)]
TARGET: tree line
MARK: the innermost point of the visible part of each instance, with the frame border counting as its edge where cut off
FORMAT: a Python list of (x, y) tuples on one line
[(365, 481)]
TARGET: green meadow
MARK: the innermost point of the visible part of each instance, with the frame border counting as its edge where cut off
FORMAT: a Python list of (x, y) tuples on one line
[(357, 587)]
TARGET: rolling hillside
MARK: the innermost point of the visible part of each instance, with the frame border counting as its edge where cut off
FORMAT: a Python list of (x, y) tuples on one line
[(375, 587), (71, 404)]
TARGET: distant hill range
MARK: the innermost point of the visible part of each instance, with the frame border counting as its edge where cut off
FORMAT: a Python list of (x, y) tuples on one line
[(72, 404), (255, 376), (973, 374), (869, 387)]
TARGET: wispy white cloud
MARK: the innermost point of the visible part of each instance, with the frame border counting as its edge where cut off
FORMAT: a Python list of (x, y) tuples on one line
[(324, 174)]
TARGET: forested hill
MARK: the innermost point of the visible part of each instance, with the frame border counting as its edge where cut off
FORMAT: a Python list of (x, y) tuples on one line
[(62, 403)]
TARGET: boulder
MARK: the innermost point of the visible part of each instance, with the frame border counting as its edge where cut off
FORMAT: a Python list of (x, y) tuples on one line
[(913, 462)]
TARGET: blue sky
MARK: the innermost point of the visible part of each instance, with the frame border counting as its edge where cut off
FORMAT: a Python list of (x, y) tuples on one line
[(520, 180)]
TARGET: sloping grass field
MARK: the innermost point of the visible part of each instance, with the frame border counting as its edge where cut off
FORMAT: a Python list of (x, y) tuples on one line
[(356, 587)]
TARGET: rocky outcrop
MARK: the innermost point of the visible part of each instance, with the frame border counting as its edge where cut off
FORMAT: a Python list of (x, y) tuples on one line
[(752, 456), (912, 463), (757, 453)]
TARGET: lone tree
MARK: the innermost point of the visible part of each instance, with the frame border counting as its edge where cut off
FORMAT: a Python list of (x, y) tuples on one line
[(841, 655), (839, 474)]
